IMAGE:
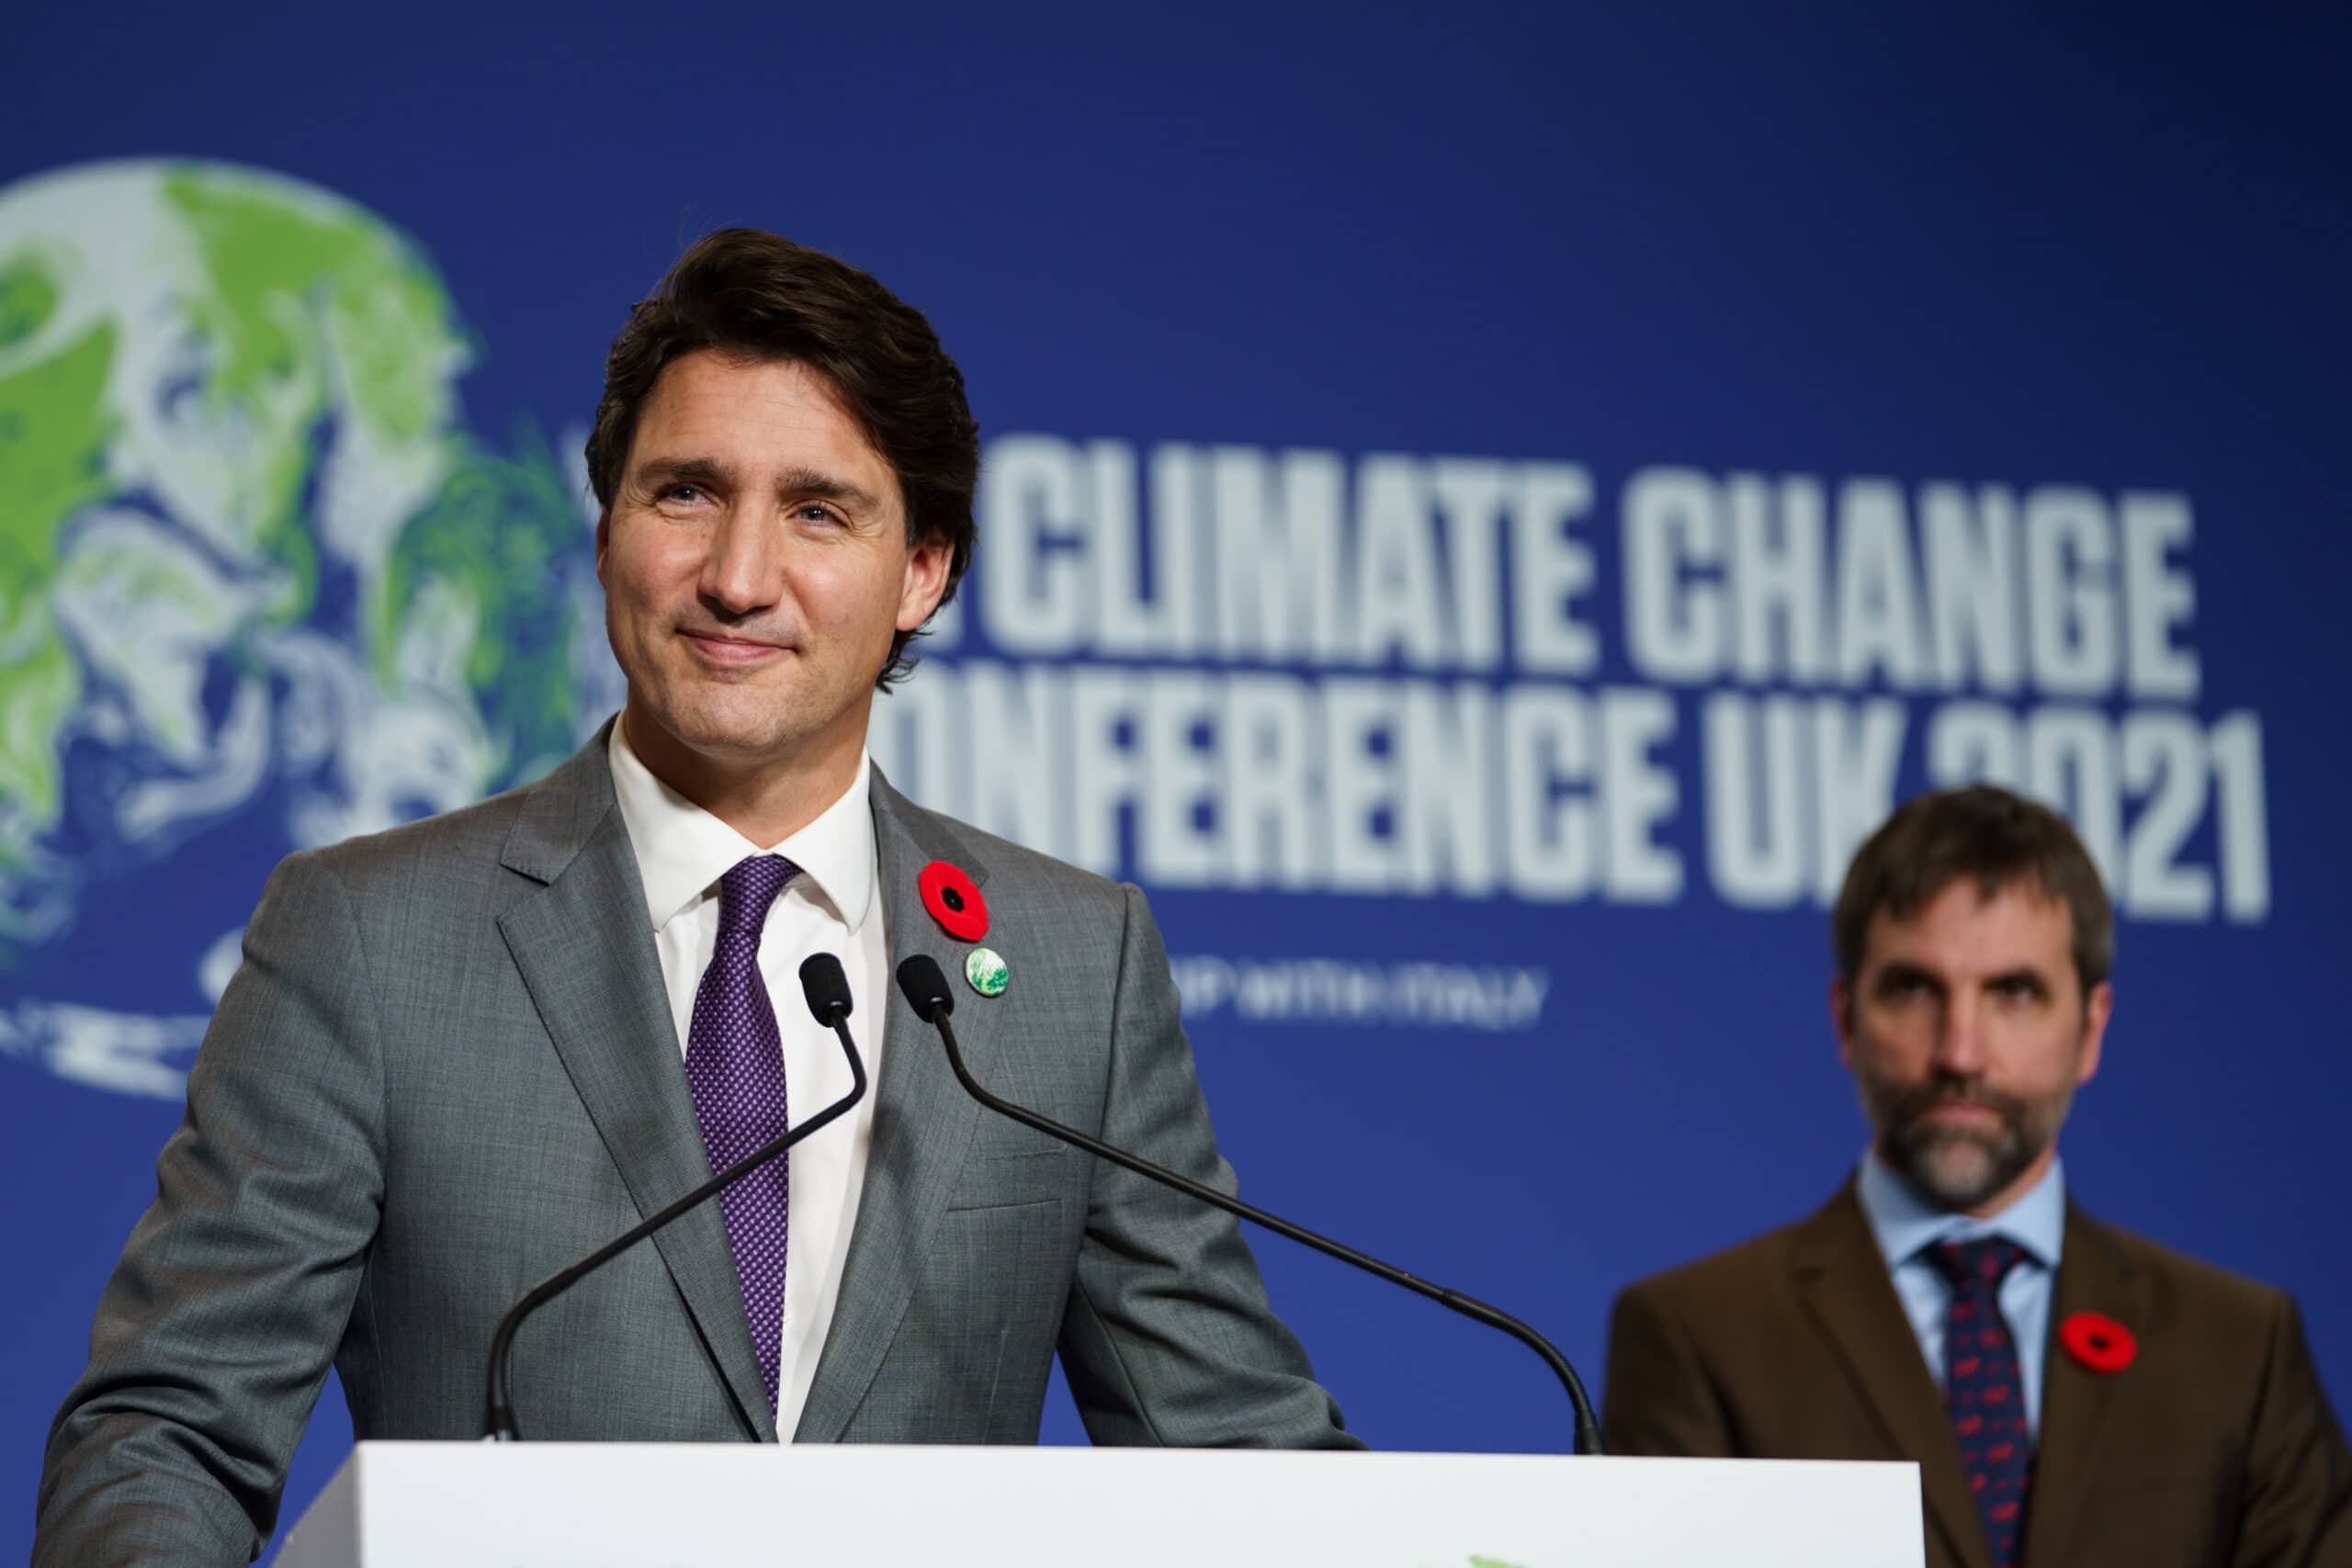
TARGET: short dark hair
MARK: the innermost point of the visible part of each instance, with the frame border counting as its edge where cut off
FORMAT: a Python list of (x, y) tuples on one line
[(1991, 835), (759, 297)]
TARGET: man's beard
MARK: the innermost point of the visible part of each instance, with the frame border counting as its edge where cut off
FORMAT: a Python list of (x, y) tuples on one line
[(1959, 1167)]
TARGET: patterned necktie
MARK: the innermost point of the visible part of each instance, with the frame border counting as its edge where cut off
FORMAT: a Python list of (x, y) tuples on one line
[(1984, 1388), (735, 1067)]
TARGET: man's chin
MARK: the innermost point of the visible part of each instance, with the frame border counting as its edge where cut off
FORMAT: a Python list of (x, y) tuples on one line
[(709, 731), (1955, 1170)]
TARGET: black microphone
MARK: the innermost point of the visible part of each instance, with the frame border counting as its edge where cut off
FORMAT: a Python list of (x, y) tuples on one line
[(927, 991), (826, 990)]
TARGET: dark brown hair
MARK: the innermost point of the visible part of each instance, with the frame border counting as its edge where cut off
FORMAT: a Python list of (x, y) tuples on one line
[(759, 297), (1992, 838)]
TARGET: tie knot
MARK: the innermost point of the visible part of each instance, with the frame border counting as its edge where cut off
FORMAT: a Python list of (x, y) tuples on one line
[(747, 890), (1978, 1265)]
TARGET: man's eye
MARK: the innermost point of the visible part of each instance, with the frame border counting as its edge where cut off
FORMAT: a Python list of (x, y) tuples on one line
[(688, 494), (815, 512)]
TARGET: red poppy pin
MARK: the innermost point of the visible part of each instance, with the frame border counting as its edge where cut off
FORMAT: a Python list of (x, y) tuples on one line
[(2097, 1341), (954, 901)]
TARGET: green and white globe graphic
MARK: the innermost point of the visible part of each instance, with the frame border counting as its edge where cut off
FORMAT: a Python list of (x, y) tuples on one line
[(260, 589)]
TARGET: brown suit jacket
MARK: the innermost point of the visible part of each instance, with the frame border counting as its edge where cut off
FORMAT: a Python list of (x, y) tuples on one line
[(2216, 1446)]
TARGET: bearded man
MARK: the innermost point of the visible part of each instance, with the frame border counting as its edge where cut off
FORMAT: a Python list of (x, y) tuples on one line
[(2071, 1392)]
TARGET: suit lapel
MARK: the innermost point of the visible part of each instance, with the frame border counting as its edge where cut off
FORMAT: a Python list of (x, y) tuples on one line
[(586, 949), (1845, 1284), (923, 1123), (2094, 1274)]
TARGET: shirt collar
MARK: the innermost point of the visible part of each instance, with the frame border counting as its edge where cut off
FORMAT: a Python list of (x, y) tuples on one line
[(1902, 1222), (683, 851)]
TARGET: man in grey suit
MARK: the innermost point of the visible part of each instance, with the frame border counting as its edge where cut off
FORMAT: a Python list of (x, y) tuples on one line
[(462, 1054)]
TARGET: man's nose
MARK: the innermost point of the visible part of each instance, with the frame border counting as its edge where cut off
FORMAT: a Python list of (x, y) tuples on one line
[(740, 570), (1960, 1043)]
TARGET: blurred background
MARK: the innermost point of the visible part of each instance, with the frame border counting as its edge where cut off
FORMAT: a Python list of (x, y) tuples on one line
[(1484, 506)]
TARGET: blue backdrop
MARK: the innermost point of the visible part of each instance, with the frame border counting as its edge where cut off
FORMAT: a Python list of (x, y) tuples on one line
[(1484, 507)]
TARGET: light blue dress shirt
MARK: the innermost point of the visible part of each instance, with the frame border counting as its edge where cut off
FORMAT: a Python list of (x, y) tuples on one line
[(1905, 1225)]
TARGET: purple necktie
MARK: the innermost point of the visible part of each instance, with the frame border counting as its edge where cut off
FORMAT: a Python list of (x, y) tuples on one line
[(735, 1067), (1982, 1386)]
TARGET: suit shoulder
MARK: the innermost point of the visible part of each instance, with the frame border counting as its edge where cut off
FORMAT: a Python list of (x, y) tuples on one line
[(2188, 1282), (439, 845), (1729, 1275), (1002, 858)]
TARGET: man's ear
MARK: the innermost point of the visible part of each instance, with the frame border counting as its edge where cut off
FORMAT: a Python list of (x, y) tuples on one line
[(925, 582), (604, 541), (2097, 1008), (1841, 1017)]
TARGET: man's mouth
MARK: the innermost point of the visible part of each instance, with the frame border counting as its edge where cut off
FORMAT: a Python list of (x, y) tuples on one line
[(720, 648), (1971, 1116)]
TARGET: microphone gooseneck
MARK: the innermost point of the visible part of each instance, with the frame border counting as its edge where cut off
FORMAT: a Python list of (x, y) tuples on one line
[(925, 987), (826, 989)]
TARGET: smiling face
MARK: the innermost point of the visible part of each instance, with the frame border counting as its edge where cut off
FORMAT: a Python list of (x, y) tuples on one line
[(755, 566), (1968, 1032)]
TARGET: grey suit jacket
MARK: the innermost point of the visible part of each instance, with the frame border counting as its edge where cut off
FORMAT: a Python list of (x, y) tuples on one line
[(447, 1069)]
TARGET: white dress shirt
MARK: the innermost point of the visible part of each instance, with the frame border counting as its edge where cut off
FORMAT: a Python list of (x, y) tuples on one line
[(1907, 1224), (682, 852)]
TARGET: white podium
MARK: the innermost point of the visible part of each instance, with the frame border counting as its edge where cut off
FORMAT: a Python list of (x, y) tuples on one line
[(679, 1505)]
